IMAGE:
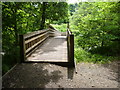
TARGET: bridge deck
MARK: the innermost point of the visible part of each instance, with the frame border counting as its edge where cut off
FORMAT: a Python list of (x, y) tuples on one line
[(54, 49)]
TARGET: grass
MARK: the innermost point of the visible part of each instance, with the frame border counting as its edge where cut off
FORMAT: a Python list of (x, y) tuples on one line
[(83, 56), (61, 27), (10, 58)]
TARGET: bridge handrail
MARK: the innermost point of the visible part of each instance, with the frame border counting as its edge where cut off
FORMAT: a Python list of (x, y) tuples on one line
[(30, 41)]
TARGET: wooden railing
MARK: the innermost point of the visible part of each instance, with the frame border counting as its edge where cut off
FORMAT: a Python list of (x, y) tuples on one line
[(30, 42), (70, 45)]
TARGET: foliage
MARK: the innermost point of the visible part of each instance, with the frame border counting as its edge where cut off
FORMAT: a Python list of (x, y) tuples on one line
[(17, 18), (72, 8), (23, 17), (57, 11), (97, 24), (97, 31), (62, 27), (54, 12), (83, 56)]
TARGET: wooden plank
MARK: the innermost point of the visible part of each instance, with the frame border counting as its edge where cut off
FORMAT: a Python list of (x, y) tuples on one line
[(53, 50), (22, 48), (35, 44), (32, 41), (28, 35), (29, 40), (47, 60), (36, 48), (72, 50), (68, 45)]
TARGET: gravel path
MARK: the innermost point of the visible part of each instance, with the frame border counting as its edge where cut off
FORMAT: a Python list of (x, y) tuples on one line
[(45, 75)]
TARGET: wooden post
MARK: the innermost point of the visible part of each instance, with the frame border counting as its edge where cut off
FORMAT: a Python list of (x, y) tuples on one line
[(22, 48), (72, 50), (68, 47)]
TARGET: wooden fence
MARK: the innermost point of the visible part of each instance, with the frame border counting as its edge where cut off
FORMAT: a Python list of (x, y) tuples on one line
[(30, 42)]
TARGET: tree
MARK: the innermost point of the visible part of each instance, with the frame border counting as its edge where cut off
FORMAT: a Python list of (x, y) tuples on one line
[(43, 9), (97, 24), (23, 17), (54, 11)]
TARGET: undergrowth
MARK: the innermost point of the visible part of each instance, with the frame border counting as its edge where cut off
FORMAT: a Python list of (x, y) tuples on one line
[(84, 56), (61, 27)]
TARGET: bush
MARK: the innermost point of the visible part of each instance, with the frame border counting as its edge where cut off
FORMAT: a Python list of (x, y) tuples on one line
[(10, 58), (5, 68), (61, 27), (84, 56)]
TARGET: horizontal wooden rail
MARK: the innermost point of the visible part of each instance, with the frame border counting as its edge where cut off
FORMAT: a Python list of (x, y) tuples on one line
[(30, 41), (35, 33)]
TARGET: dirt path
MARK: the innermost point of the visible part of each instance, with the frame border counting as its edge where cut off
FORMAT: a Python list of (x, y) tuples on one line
[(45, 75)]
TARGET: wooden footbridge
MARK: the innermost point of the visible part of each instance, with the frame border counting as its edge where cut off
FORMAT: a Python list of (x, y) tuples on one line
[(49, 45)]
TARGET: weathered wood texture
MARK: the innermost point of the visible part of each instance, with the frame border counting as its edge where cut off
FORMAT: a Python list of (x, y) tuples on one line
[(70, 45), (30, 41), (56, 48), (22, 48)]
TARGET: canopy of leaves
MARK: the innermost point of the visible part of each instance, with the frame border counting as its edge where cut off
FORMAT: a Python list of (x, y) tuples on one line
[(97, 23), (96, 26)]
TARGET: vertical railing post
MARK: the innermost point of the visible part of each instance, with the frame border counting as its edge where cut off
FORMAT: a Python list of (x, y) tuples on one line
[(68, 47), (71, 51), (22, 48)]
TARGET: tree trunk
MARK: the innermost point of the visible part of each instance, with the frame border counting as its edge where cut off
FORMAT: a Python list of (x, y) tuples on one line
[(15, 23), (102, 44), (43, 9)]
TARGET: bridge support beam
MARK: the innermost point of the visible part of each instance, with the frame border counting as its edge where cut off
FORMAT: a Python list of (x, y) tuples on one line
[(72, 50), (70, 44), (22, 48)]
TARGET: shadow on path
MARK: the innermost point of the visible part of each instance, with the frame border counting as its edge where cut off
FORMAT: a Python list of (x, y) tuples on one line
[(70, 70), (113, 67), (32, 75)]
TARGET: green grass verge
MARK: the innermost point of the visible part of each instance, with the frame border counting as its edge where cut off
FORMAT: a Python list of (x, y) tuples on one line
[(61, 27), (83, 56)]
